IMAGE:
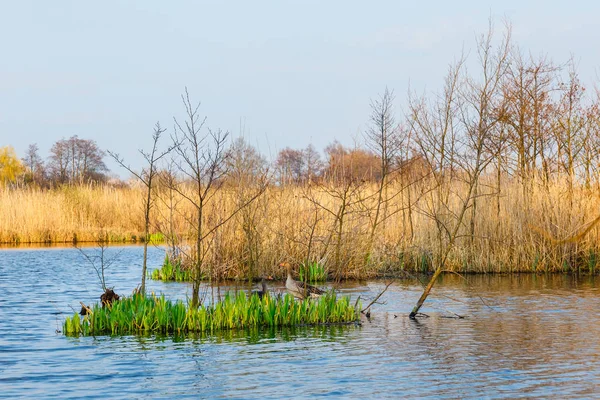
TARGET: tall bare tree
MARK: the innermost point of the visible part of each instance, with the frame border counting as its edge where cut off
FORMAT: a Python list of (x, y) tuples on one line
[(147, 177), (313, 163), (569, 132), (468, 114), (384, 140), (202, 156), (34, 165)]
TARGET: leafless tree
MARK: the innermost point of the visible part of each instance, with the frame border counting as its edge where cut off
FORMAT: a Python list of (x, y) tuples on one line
[(202, 159), (456, 136), (290, 165), (313, 163), (244, 162), (383, 138), (76, 160), (34, 164), (569, 131), (99, 259), (147, 177)]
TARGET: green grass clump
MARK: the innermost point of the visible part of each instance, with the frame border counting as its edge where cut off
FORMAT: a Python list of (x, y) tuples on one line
[(171, 271), (156, 238), (314, 271), (151, 314)]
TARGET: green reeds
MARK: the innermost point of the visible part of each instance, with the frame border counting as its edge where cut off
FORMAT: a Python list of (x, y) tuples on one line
[(592, 261), (156, 238), (171, 271), (314, 271), (152, 314)]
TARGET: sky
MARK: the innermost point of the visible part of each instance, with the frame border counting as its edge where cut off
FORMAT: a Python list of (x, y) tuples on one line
[(280, 73)]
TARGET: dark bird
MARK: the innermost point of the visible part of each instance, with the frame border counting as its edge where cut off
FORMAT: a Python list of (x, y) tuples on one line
[(263, 291)]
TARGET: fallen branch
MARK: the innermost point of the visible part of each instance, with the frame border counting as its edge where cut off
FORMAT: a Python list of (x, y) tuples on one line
[(377, 297), (454, 315)]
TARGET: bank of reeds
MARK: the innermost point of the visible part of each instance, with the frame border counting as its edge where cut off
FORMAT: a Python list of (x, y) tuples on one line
[(142, 315), (70, 214), (510, 230)]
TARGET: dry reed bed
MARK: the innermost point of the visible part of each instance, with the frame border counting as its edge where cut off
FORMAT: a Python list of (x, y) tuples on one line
[(69, 214), (303, 224)]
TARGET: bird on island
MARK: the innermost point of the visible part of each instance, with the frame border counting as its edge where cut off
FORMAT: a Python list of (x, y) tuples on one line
[(264, 290), (299, 290)]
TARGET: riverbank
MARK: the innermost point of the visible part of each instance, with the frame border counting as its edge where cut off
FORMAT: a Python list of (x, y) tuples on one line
[(507, 230)]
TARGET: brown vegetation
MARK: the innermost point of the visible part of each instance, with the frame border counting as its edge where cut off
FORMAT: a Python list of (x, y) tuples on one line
[(466, 181), (287, 225)]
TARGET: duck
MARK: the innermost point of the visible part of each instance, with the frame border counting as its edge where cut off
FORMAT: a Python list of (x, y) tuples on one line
[(264, 290), (299, 290)]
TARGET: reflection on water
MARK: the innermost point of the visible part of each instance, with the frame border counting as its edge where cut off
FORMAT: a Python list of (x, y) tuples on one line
[(523, 335)]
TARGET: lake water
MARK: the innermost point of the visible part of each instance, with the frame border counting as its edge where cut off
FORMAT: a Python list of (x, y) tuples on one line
[(523, 336)]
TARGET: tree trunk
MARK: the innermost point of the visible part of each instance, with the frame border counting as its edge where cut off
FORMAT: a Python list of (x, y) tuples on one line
[(143, 286), (423, 297), (198, 264), (147, 207)]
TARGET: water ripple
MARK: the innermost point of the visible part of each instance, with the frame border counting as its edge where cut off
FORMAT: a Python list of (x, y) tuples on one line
[(539, 338)]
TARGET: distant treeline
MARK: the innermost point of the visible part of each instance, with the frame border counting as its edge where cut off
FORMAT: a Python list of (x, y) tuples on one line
[(81, 161), (71, 161)]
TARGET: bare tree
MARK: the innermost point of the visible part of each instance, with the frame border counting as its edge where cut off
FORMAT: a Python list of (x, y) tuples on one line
[(569, 132), (384, 140), (290, 165), (458, 133), (244, 162), (202, 160), (146, 176), (526, 90), (34, 165), (99, 259), (313, 163), (76, 160), (591, 146)]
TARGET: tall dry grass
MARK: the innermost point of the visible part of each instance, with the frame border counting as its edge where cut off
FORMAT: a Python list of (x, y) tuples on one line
[(300, 224), (67, 214)]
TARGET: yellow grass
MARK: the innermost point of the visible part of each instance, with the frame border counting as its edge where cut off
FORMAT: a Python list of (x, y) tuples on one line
[(524, 235), (69, 213)]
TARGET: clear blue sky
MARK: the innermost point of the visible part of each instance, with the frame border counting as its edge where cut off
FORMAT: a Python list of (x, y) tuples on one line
[(295, 72)]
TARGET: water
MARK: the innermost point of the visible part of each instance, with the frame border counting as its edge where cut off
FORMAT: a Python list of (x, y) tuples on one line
[(523, 336)]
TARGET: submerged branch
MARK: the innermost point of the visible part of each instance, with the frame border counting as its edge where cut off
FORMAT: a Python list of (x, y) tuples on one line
[(377, 297)]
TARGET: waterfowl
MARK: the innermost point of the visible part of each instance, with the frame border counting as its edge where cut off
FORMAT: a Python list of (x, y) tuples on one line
[(263, 291), (298, 289)]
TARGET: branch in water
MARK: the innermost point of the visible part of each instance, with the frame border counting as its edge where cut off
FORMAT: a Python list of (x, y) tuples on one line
[(377, 297)]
